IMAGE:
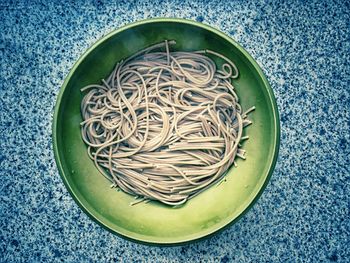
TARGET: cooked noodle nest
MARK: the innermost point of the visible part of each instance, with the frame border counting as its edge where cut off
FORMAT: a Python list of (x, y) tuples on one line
[(165, 125)]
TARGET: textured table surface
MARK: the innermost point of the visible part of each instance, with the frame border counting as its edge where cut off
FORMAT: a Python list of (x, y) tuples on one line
[(304, 49)]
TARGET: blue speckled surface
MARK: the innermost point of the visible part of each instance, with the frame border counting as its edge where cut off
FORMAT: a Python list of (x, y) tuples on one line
[(304, 49)]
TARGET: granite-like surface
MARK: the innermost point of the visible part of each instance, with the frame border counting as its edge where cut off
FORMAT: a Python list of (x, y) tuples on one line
[(304, 49)]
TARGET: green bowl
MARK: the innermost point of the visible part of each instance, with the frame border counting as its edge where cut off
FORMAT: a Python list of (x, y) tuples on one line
[(154, 222)]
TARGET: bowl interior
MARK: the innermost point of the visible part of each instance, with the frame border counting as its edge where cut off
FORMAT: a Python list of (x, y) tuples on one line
[(154, 222)]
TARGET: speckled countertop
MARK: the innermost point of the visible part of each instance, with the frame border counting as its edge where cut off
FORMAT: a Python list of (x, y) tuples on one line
[(304, 49)]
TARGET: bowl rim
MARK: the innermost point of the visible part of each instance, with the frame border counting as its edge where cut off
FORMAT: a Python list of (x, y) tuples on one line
[(201, 235)]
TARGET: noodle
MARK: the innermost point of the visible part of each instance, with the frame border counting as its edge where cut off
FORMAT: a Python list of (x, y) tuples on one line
[(165, 125)]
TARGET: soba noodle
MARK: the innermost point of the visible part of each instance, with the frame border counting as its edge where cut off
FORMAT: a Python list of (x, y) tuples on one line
[(165, 125)]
